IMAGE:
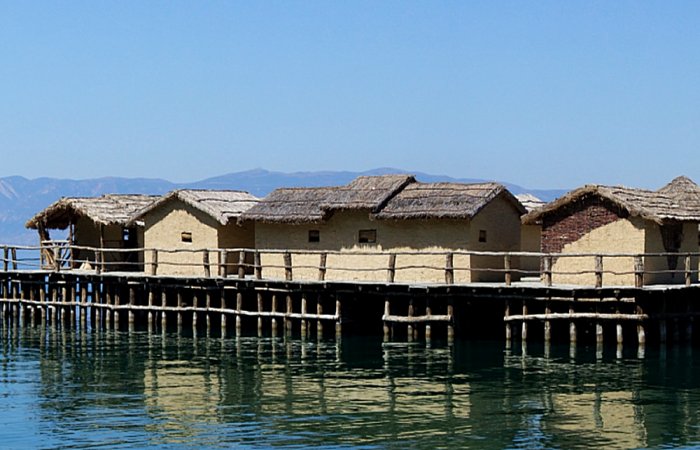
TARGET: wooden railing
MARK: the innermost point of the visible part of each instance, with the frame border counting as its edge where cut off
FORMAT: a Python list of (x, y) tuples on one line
[(588, 269)]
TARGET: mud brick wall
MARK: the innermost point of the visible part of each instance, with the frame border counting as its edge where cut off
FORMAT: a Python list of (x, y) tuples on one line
[(571, 222)]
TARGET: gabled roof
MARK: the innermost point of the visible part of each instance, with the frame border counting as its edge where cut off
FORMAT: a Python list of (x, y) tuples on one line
[(658, 206), (221, 205), (685, 191), (444, 201), (311, 205), (530, 202), (106, 210)]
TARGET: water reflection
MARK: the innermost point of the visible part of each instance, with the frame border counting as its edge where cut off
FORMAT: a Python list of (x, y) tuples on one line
[(140, 389)]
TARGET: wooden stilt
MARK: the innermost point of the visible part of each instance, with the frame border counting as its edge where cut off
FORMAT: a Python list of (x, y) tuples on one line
[(410, 314), (132, 303), (287, 319), (239, 308), (163, 313), (259, 297), (523, 330), (223, 314), (509, 328), (319, 311), (547, 324), (304, 322), (387, 326), (428, 312), (618, 330), (450, 324), (273, 321), (339, 320), (195, 304)]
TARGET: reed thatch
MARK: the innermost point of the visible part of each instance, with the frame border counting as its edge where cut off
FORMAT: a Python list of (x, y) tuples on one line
[(444, 201), (530, 202), (671, 203), (222, 205), (313, 205), (685, 191), (107, 209)]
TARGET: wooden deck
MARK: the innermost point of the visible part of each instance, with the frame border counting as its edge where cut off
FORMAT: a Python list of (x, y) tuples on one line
[(245, 300)]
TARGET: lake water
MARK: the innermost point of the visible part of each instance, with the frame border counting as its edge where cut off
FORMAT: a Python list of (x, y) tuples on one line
[(67, 389)]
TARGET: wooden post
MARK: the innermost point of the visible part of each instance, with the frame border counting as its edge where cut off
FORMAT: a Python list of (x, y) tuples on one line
[(547, 270), (223, 312), (5, 252), (287, 319), (322, 267), (618, 329), (598, 328), (339, 321), (450, 324), (260, 310), (195, 306), (206, 264), (117, 311), (287, 266), (572, 326), (319, 322), (14, 258), (638, 271), (83, 303), (304, 322), (258, 265), (599, 271), (506, 267), (241, 264), (150, 308), (641, 335), (223, 268), (273, 322), (410, 314), (391, 268), (509, 328), (547, 324), (387, 326), (239, 308), (688, 271), (449, 269), (428, 312), (57, 259), (98, 258), (163, 314), (132, 303), (523, 330), (154, 262)]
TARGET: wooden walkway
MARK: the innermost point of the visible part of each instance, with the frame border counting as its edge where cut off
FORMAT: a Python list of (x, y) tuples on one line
[(225, 300)]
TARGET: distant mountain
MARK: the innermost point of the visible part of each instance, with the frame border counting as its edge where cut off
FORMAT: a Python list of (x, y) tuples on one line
[(21, 198)]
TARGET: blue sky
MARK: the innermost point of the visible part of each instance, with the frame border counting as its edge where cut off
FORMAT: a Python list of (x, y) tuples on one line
[(542, 94)]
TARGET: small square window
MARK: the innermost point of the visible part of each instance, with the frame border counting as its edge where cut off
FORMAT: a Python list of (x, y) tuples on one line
[(314, 236), (367, 237), (482, 235), (186, 236)]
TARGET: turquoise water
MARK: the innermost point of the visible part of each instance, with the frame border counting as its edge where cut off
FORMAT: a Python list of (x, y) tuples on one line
[(67, 389)]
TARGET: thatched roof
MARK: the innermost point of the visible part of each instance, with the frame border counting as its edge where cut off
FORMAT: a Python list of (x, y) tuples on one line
[(312, 205), (106, 210), (222, 205), (685, 191), (658, 206), (444, 201), (530, 202)]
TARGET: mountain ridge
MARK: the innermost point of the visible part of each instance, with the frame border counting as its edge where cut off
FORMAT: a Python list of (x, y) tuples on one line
[(21, 198)]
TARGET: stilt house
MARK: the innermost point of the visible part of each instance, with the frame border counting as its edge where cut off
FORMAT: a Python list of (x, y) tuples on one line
[(183, 224), (97, 222), (360, 223), (609, 220)]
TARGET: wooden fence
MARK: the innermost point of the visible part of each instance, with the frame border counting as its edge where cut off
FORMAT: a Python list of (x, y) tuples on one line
[(413, 267)]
